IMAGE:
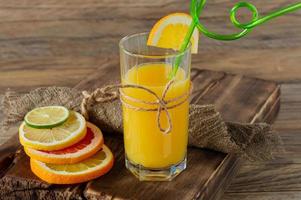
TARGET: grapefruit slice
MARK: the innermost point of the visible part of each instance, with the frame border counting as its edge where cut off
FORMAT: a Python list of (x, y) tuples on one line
[(82, 150), (95, 166)]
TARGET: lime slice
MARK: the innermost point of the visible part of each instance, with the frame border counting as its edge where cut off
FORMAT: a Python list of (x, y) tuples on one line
[(47, 117)]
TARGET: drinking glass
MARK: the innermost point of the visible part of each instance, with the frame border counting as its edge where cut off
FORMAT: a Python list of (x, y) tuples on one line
[(155, 108)]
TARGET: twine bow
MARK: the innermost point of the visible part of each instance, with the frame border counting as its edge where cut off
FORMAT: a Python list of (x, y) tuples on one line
[(105, 94)]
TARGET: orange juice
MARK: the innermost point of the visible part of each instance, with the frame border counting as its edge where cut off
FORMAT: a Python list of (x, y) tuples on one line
[(145, 144)]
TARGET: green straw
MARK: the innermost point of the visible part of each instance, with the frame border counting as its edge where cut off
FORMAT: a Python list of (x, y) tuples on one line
[(197, 6)]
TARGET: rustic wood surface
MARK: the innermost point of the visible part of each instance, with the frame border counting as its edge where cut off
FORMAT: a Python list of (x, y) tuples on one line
[(60, 42), (212, 170)]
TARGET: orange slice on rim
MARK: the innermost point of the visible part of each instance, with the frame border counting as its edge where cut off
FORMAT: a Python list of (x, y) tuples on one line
[(170, 31), (95, 166), (89, 145)]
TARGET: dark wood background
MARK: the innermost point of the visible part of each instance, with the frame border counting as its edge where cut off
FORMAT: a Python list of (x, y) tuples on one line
[(60, 42)]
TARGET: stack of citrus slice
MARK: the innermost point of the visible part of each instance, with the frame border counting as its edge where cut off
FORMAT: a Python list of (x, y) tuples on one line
[(63, 147)]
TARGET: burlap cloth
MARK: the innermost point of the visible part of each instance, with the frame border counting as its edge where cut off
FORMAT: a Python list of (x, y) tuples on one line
[(206, 126)]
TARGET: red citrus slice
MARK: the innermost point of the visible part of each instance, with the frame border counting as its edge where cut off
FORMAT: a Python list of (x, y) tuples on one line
[(88, 146)]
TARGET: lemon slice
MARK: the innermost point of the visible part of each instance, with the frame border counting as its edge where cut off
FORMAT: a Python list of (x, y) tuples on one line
[(97, 165), (59, 137), (170, 31), (47, 117)]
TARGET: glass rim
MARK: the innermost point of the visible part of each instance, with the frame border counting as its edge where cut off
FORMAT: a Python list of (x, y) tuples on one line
[(140, 55)]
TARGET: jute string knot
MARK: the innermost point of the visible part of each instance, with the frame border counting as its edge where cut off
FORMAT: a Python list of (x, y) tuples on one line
[(107, 94)]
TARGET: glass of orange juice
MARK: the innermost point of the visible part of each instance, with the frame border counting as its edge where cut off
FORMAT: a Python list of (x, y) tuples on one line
[(152, 153)]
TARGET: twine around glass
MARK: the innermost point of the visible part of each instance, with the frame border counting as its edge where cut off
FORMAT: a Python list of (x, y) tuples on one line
[(107, 94)]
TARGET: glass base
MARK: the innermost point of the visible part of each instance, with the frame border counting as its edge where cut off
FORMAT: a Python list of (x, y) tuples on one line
[(147, 174)]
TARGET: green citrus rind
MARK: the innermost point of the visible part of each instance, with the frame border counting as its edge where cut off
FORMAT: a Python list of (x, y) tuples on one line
[(48, 125)]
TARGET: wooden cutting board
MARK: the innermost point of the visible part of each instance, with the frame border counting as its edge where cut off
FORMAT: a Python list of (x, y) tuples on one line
[(238, 98)]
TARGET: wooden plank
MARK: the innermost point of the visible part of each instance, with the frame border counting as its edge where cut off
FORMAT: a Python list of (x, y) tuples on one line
[(289, 118), (64, 71), (19, 171), (288, 125), (212, 169), (267, 178), (290, 93), (295, 195), (71, 37), (8, 154), (280, 64), (279, 178), (228, 102), (66, 14), (70, 34)]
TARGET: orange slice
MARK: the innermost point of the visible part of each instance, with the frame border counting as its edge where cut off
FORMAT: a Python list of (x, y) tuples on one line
[(91, 168), (170, 31), (82, 150)]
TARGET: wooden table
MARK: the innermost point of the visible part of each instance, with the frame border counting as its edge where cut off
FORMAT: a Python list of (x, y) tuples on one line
[(61, 42)]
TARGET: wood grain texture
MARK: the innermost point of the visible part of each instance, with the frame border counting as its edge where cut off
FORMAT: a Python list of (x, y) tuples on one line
[(295, 195), (279, 178), (60, 42), (212, 170), (267, 178), (208, 90)]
